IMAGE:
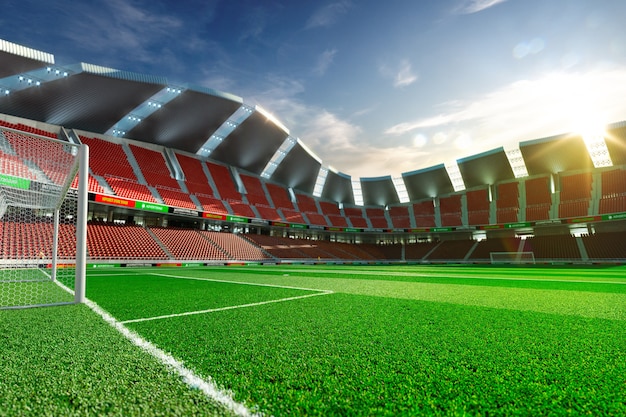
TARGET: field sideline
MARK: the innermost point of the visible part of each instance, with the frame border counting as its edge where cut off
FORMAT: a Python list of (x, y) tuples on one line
[(327, 340)]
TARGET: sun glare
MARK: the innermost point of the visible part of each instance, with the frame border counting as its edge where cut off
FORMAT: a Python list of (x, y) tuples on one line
[(592, 130)]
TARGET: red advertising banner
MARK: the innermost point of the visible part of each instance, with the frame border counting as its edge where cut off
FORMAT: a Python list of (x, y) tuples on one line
[(116, 201)]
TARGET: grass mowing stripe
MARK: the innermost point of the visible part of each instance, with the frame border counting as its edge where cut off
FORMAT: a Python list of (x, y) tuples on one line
[(362, 355), (260, 303), (207, 386), (577, 303), (562, 283)]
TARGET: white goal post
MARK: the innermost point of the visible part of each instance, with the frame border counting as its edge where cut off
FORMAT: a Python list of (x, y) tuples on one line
[(512, 257), (43, 220)]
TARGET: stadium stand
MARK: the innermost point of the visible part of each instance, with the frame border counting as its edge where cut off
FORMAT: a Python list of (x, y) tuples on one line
[(450, 210), (424, 213), (451, 250), (613, 197), (235, 246), (280, 196), (188, 244), (478, 206), (507, 203), (31, 240), (293, 216), (538, 199), (109, 241), (575, 195), (605, 246), (355, 216), (485, 247), (224, 182), (400, 217), (553, 247), (377, 218), (254, 191), (417, 251)]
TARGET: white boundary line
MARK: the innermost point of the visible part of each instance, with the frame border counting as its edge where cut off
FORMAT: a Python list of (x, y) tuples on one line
[(258, 284), (212, 310), (193, 381), (208, 387)]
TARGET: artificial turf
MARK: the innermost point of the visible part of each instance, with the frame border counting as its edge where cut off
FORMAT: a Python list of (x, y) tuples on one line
[(388, 341)]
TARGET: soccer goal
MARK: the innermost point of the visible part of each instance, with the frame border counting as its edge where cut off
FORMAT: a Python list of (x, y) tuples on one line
[(43, 220), (512, 257)]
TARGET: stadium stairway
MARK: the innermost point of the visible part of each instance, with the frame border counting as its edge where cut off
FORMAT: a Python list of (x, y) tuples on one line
[(158, 242)]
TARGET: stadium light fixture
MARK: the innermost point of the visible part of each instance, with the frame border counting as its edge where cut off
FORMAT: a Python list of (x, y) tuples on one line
[(358, 192), (403, 194), (278, 156), (320, 181), (222, 132), (455, 176), (516, 160)]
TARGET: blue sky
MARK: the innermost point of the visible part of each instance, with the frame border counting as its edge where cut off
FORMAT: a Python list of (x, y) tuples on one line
[(373, 88)]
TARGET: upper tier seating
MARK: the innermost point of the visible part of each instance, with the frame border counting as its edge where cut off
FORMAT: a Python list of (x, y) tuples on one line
[(424, 213), (254, 191), (293, 216), (377, 218), (575, 195), (355, 214), (400, 217), (478, 206), (280, 196), (195, 178), (450, 210), (507, 203), (613, 198), (224, 182), (538, 199), (111, 159)]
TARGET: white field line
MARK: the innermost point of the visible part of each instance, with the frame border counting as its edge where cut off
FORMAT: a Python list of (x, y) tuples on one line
[(207, 386), (257, 284), (213, 310)]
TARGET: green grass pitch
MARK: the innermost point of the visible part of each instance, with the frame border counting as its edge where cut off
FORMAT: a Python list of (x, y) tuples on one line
[(328, 340)]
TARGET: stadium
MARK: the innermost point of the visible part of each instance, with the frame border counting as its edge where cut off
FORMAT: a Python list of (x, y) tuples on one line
[(201, 242)]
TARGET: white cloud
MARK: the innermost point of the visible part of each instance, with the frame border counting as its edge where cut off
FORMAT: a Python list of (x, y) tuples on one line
[(324, 60), (405, 75), (328, 15), (475, 6), (556, 103), (402, 75)]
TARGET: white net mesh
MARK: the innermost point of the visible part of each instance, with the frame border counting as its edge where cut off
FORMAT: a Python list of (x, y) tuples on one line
[(37, 220)]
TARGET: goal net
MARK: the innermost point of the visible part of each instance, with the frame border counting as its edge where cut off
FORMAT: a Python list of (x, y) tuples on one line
[(512, 257), (43, 206)]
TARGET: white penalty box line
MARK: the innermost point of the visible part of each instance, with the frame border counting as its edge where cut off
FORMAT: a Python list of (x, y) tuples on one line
[(317, 292)]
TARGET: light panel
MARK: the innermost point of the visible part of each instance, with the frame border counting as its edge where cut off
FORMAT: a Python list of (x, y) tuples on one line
[(455, 176), (403, 194)]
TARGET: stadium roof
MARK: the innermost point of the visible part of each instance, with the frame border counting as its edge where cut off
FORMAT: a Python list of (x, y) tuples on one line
[(220, 126)]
